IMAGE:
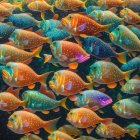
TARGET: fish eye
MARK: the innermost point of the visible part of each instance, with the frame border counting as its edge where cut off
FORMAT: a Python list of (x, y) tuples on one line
[(71, 113), (70, 17), (94, 68), (11, 119)]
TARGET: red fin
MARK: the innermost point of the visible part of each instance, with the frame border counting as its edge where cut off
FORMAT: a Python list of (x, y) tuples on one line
[(56, 17), (121, 82), (89, 130), (56, 109), (14, 92), (47, 58), (107, 121), (32, 86), (73, 97), (73, 65), (36, 132), (113, 85)]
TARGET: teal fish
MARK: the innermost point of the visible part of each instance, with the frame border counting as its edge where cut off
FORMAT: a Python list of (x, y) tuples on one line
[(40, 102), (127, 108), (131, 87), (125, 38)]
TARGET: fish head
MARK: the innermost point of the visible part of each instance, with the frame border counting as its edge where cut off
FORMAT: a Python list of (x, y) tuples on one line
[(14, 122), (72, 116), (119, 107), (124, 13), (116, 35), (56, 48), (26, 95), (80, 100), (96, 14), (59, 4), (69, 21), (101, 129)]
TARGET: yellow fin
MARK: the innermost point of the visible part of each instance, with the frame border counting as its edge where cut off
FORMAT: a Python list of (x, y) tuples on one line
[(47, 58), (73, 65), (127, 74), (43, 15), (37, 51), (121, 57), (45, 112), (63, 103), (31, 86), (112, 85)]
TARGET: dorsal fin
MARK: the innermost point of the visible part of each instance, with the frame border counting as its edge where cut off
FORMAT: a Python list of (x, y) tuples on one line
[(135, 98)]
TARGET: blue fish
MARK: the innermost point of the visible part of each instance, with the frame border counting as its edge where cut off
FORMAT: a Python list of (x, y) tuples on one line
[(100, 49), (132, 64), (23, 20), (6, 30), (92, 99)]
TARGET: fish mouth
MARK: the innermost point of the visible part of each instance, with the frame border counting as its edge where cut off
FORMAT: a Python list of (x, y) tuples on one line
[(64, 22), (6, 75)]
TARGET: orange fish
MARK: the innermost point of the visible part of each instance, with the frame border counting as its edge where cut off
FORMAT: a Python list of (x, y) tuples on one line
[(79, 24), (4, 12), (41, 6), (130, 16), (67, 83), (69, 4), (9, 100), (10, 53), (24, 122), (20, 75), (85, 118), (69, 53), (110, 3), (111, 130), (27, 39)]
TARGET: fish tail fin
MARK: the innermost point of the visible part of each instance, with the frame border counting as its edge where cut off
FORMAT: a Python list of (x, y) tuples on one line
[(20, 6), (128, 73), (63, 103), (46, 40), (44, 77), (122, 57), (50, 126), (36, 52), (132, 132), (107, 121), (43, 15), (84, 4)]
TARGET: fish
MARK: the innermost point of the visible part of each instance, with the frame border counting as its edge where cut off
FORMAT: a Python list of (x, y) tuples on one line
[(22, 20), (20, 39), (101, 50), (107, 17), (131, 64), (70, 4), (134, 129), (92, 99), (6, 30), (9, 100), (130, 16), (66, 82), (31, 137), (104, 72), (85, 118), (135, 30), (93, 8), (125, 38), (19, 75), (69, 52), (33, 99), (82, 25), (133, 5), (95, 14), (24, 122), (111, 130), (10, 53), (131, 86), (110, 3), (127, 108), (4, 12), (40, 6), (67, 132)]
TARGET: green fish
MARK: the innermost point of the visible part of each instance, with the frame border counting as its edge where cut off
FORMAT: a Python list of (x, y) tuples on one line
[(37, 101)]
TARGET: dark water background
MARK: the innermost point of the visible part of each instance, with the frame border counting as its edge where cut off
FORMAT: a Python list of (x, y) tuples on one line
[(83, 69)]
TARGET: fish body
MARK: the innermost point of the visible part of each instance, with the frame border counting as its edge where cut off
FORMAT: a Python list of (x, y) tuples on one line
[(9, 102), (27, 39), (67, 83), (20, 75), (6, 30), (106, 72), (91, 9), (79, 24), (135, 30), (4, 12), (127, 108), (84, 118), (95, 14), (92, 98), (132, 64), (10, 53), (110, 3), (111, 130), (131, 87), (31, 137), (40, 102), (23, 122), (69, 4), (108, 17), (69, 52), (125, 38), (130, 16), (22, 20), (101, 50)]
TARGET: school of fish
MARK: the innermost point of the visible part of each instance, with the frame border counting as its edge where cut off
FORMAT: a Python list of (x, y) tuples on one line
[(69, 69)]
